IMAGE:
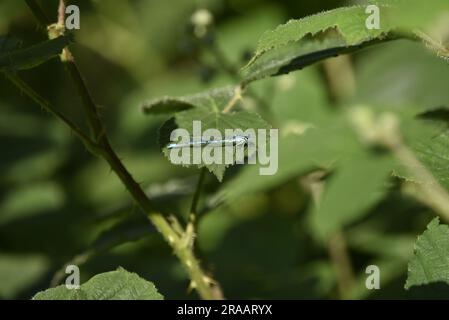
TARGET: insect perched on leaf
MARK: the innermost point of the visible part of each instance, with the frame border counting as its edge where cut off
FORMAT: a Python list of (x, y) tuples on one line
[(200, 142)]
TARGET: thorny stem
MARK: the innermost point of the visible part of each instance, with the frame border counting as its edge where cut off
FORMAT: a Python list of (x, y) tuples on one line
[(205, 286), (49, 108), (190, 229)]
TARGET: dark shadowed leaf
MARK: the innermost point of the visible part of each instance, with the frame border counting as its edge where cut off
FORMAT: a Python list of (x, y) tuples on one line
[(33, 56)]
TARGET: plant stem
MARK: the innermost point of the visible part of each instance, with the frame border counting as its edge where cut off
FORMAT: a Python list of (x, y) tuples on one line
[(196, 195), (91, 110), (49, 108), (38, 13), (199, 279), (202, 283)]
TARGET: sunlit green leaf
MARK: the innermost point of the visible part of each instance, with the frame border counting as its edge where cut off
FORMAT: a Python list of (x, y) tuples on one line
[(114, 285), (430, 262), (299, 43), (208, 108)]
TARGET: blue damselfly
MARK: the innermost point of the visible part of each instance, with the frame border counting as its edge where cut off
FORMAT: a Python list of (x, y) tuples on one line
[(200, 142)]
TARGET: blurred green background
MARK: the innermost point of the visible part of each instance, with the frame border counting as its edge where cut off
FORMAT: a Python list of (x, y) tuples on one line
[(57, 202)]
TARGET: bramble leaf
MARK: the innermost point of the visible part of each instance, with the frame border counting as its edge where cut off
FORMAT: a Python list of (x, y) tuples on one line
[(430, 262), (431, 149), (114, 285), (166, 105), (299, 43), (298, 55), (207, 107), (350, 22)]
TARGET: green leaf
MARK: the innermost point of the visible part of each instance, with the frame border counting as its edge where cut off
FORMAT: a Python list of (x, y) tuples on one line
[(299, 43), (433, 153), (33, 56), (430, 262), (166, 105), (114, 285), (61, 293), (348, 21), (430, 144), (208, 108), (358, 184)]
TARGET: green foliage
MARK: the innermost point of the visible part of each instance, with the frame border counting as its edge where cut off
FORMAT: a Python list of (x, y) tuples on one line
[(430, 262), (348, 22), (58, 205), (114, 285), (433, 154), (299, 43), (211, 101), (320, 148), (357, 185)]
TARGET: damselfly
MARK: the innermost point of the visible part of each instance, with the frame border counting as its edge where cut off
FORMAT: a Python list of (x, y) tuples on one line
[(200, 142)]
